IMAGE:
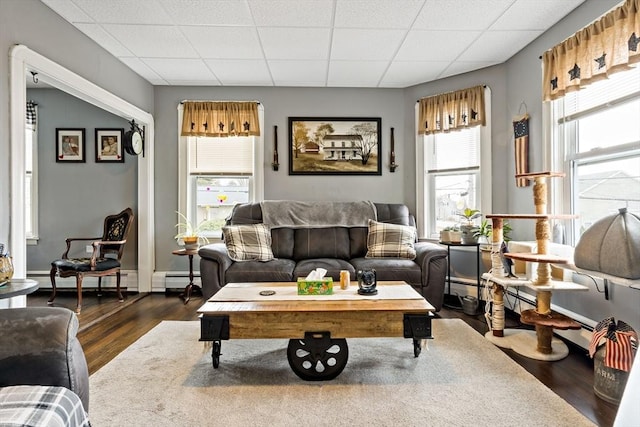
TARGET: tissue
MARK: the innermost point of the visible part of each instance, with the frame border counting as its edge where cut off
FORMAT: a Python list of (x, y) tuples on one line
[(315, 283)]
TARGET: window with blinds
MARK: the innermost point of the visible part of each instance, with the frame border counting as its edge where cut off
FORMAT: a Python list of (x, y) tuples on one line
[(597, 144), (452, 178), (220, 175)]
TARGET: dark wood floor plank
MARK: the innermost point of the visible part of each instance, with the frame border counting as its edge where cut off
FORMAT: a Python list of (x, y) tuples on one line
[(571, 378)]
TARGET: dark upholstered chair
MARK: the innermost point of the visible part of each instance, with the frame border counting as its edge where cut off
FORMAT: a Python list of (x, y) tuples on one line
[(38, 346), (104, 261)]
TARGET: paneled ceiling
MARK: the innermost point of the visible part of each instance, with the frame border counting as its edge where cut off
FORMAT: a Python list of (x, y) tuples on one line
[(315, 43)]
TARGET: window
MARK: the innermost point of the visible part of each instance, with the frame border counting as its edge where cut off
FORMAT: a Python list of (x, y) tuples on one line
[(216, 173), (31, 181), (456, 175), (596, 141)]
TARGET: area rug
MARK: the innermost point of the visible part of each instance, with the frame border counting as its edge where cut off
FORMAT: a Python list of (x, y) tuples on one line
[(166, 378)]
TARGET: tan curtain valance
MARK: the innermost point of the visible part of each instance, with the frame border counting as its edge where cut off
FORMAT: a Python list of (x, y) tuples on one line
[(453, 110), (604, 47), (220, 119)]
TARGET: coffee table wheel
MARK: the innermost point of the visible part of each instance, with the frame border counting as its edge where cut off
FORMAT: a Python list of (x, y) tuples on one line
[(215, 354), (317, 357), (417, 347)]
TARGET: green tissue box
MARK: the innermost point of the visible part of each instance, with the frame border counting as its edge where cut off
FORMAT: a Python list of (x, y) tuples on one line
[(315, 287)]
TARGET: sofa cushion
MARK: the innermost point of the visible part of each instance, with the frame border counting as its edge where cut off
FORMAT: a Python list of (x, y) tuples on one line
[(358, 241), (276, 270), (391, 269), (390, 240), (332, 265), (331, 242), (282, 242), (248, 242)]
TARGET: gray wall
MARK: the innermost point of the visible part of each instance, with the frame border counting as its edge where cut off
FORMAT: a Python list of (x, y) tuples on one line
[(74, 198), (31, 23), (279, 104)]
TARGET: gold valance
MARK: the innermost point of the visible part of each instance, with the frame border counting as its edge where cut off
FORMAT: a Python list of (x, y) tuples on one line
[(606, 46), (204, 118), (453, 110)]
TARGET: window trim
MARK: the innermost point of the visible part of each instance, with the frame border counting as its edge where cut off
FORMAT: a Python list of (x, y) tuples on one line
[(256, 190), (485, 170)]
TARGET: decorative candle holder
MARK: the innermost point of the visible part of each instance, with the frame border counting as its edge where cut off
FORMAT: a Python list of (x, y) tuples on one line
[(392, 162), (275, 163)]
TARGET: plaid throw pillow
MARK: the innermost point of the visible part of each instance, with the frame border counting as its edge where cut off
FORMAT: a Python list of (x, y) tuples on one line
[(390, 241), (248, 242)]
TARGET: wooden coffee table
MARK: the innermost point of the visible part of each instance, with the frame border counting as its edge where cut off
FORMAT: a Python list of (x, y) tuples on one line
[(317, 326)]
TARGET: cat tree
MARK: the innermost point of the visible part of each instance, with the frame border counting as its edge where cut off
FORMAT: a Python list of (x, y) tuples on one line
[(539, 345)]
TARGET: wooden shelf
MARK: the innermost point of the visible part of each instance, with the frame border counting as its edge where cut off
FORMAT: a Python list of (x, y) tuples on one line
[(545, 258), (546, 174)]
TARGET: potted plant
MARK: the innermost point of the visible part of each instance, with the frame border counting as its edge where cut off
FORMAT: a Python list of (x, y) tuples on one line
[(451, 234), (189, 234), (467, 228)]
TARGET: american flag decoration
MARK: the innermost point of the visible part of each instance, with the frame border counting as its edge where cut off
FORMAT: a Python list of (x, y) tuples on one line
[(521, 133), (621, 343)]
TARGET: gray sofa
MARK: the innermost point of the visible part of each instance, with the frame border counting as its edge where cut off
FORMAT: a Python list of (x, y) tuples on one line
[(300, 249)]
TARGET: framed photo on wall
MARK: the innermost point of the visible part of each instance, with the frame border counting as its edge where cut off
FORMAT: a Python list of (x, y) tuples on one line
[(70, 145), (109, 145), (335, 146)]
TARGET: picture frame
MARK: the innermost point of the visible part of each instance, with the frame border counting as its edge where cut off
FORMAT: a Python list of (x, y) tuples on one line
[(109, 145), (70, 145), (335, 146)]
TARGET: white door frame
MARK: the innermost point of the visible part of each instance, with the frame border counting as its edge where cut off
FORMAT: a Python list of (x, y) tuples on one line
[(22, 60)]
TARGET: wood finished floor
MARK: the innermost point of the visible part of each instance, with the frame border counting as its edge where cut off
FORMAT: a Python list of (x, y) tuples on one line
[(107, 327)]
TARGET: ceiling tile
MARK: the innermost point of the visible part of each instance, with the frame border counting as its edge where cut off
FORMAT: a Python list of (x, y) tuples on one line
[(460, 14), (152, 41), (181, 70), (349, 44), (104, 39), (143, 70), (376, 13), (236, 72), (538, 15), (68, 10), (224, 42), (124, 11), (409, 73), (356, 73), (298, 71), (498, 45), (207, 12), (292, 13), (460, 67), (295, 43), (423, 45)]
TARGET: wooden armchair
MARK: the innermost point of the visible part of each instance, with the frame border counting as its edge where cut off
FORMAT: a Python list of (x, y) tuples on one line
[(104, 261)]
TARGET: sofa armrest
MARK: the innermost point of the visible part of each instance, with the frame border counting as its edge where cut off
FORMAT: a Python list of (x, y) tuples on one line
[(432, 259), (38, 346), (214, 262)]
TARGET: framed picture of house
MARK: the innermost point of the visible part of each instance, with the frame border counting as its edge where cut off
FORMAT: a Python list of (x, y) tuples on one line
[(109, 145), (334, 146), (70, 145)]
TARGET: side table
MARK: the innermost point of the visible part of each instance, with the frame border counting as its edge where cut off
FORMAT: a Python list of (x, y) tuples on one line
[(459, 244), (17, 287), (186, 295)]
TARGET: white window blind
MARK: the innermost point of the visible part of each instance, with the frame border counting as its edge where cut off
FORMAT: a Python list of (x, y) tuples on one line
[(455, 150), (227, 156)]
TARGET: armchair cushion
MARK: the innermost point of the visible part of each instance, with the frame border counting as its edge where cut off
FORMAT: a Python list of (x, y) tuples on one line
[(84, 264), (390, 241), (248, 242)]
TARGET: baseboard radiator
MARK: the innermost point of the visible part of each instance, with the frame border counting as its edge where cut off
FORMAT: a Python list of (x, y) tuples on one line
[(128, 280)]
